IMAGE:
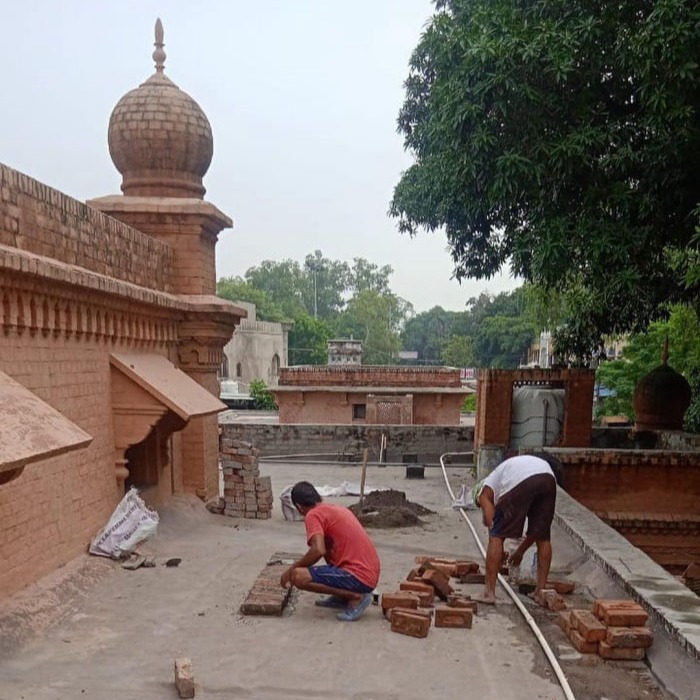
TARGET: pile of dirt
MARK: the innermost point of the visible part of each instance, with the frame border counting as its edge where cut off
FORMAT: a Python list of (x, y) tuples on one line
[(389, 508)]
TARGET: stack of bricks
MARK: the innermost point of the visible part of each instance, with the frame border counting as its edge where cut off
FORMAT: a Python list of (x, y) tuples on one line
[(615, 630), (410, 609), (246, 493)]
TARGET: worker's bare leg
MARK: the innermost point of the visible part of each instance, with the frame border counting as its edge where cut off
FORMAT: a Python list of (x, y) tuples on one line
[(494, 557)]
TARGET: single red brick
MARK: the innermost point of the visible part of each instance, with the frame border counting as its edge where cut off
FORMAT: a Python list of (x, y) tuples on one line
[(413, 574), (464, 568), (581, 645), (625, 617), (561, 587), (453, 617), (458, 601), (629, 637), (411, 625), (588, 625), (601, 603), (401, 599), (565, 622), (620, 653), (416, 586), (553, 600), (420, 612), (439, 581), (473, 578)]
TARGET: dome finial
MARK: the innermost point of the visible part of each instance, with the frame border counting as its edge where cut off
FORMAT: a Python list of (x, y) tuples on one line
[(159, 54)]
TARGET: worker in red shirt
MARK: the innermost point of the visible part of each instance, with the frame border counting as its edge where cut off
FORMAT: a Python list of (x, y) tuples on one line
[(333, 533)]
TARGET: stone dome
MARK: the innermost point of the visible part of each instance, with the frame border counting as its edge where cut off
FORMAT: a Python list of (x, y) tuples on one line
[(661, 398), (159, 138)]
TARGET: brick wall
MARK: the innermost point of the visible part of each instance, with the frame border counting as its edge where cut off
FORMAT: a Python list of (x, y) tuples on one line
[(495, 401), (39, 219), (368, 375), (427, 441), (632, 481)]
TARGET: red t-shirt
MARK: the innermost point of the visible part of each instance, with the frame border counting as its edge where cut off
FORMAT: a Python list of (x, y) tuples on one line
[(348, 546)]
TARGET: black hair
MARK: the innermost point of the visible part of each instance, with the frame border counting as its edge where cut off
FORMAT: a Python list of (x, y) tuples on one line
[(555, 465), (304, 494)]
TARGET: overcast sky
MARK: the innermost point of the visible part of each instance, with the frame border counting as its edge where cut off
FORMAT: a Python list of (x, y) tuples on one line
[(302, 96)]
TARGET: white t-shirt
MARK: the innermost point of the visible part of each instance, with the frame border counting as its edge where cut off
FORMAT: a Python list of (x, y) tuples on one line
[(511, 472)]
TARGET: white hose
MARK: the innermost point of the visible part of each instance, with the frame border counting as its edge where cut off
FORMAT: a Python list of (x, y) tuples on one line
[(518, 603)]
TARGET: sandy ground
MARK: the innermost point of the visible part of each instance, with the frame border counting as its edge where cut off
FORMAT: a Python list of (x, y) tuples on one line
[(94, 630)]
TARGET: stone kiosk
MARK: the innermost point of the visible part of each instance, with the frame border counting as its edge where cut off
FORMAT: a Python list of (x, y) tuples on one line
[(111, 335)]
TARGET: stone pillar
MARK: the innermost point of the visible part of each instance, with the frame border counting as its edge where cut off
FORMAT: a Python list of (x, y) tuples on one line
[(200, 354), (190, 226), (494, 406)]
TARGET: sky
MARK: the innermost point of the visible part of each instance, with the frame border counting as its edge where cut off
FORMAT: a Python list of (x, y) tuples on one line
[(302, 96)]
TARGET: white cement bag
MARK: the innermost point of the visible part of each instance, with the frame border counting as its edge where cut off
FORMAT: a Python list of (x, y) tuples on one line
[(131, 523), (289, 510)]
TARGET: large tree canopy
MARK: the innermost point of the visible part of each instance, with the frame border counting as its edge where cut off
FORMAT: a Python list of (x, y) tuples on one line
[(562, 138)]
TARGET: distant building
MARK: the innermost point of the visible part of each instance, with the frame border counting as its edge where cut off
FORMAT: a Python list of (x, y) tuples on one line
[(344, 351), (376, 395), (257, 350)]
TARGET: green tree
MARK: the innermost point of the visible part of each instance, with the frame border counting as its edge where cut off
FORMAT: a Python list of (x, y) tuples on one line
[(284, 282), (263, 398), (561, 138), (502, 341), (458, 352), (237, 289), (377, 320), (326, 283), (427, 333), (366, 275), (308, 340)]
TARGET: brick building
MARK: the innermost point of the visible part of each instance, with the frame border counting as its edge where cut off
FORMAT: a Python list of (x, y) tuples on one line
[(366, 394), (111, 335)]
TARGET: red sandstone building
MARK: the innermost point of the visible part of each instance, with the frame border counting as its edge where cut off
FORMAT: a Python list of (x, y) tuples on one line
[(375, 395), (111, 335)]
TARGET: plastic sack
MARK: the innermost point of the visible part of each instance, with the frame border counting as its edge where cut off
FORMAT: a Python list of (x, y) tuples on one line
[(289, 510), (131, 523), (527, 571)]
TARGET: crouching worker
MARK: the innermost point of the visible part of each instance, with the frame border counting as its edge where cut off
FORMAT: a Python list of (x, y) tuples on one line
[(518, 488), (333, 533)]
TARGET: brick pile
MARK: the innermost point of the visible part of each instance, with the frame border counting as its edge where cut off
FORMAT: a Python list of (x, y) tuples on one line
[(411, 610), (615, 630), (266, 596), (246, 493)]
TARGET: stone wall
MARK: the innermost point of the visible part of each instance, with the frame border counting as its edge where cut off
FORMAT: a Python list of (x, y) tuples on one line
[(348, 441), (41, 220)]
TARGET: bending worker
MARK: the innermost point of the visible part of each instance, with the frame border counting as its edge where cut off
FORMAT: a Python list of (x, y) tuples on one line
[(333, 533), (518, 488)]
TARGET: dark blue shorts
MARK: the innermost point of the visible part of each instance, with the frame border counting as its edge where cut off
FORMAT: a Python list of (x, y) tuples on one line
[(333, 577)]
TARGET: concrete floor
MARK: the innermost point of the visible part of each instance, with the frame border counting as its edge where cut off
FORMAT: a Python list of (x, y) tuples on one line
[(98, 631)]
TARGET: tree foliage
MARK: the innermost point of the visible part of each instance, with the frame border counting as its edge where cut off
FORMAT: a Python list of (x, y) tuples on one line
[(643, 353), (324, 298), (263, 399), (237, 289), (561, 138)]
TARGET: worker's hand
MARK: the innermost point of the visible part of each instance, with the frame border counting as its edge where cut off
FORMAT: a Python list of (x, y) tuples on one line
[(286, 578), (515, 558)]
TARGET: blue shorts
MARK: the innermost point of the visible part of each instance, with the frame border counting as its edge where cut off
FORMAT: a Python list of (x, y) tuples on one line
[(333, 577)]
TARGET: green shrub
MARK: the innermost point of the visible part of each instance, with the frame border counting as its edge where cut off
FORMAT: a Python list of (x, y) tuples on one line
[(263, 399)]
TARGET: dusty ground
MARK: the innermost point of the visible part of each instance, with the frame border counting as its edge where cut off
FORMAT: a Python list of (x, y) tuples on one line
[(97, 631)]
